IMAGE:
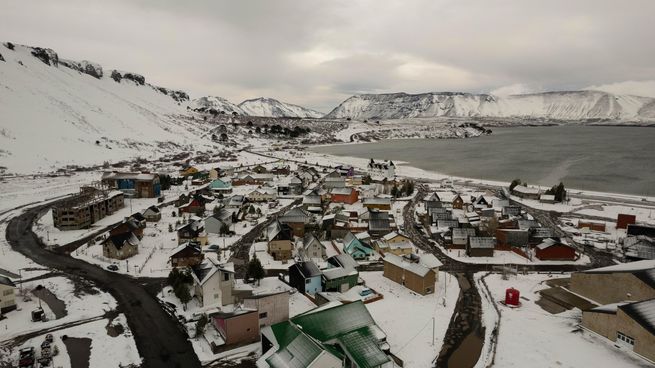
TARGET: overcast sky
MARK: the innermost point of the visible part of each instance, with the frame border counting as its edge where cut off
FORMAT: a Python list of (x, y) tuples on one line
[(317, 53)]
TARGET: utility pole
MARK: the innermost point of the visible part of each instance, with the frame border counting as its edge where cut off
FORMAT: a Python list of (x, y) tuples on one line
[(127, 265), (433, 331)]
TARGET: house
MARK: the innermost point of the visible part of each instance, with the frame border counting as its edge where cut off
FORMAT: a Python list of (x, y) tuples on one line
[(194, 206), (639, 247), (480, 202), (526, 192), (220, 220), (235, 201), (187, 255), (460, 237), (481, 246), (356, 248), (280, 245), (311, 247), (507, 238), (272, 307), (7, 295), (193, 231), (128, 225), (591, 225), (344, 195), (547, 198), (379, 223), (295, 185), (623, 220), (395, 243), (259, 169), (221, 171), (447, 224), (631, 325), (385, 169), (133, 184), (449, 199), (312, 202), (511, 211), (345, 170), (213, 284), (220, 186), (140, 220), (152, 214), (262, 194), (417, 273), (282, 170), (339, 279), (188, 171), (305, 277), (87, 207), (634, 281), (238, 327), (333, 336), (378, 203), (297, 218), (120, 246), (554, 250), (334, 180), (342, 260), (646, 230)]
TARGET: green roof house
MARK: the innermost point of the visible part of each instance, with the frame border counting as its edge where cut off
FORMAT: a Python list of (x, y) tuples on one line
[(338, 335), (356, 248), (220, 186)]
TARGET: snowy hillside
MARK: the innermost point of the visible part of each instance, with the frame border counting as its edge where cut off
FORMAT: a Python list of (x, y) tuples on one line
[(269, 107), (574, 105), (216, 103), (55, 112)]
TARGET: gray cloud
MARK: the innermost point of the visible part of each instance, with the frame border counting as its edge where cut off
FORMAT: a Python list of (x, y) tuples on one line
[(316, 53)]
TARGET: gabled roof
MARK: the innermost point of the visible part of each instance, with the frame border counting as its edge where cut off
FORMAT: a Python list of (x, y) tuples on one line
[(297, 214), (306, 269), (6, 281), (193, 227), (642, 312), (631, 267), (309, 239), (193, 246), (415, 268), (344, 260), (119, 240), (482, 242), (204, 271), (525, 190), (296, 349), (342, 191), (153, 209), (549, 242)]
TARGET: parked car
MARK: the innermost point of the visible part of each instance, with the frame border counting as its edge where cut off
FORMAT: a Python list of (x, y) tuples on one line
[(112, 267), (365, 292), (26, 357)]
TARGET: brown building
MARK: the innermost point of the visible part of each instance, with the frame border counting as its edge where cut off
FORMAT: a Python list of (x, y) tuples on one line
[(280, 241), (120, 246), (418, 274), (613, 284), (630, 325), (592, 225), (382, 204), (84, 209), (128, 225), (480, 246), (622, 220), (271, 307), (133, 184), (239, 327), (187, 255)]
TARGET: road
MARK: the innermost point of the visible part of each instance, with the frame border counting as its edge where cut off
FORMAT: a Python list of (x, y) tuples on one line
[(159, 337)]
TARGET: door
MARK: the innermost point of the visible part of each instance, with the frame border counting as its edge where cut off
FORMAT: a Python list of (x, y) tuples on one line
[(625, 341)]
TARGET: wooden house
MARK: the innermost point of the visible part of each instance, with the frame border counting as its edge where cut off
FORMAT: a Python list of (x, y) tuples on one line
[(344, 195), (417, 273), (187, 255), (238, 327), (120, 246), (280, 241)]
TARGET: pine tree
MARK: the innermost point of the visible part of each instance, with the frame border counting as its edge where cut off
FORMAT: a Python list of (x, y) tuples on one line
[(255, 269)]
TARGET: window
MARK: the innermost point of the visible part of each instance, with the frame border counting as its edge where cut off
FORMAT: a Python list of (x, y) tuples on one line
[(226, 277), (625, 338), (307, 281), (8, 292), (215, 296), (263, 315)]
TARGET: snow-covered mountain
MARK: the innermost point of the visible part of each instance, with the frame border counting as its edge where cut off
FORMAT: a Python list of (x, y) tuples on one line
[(270, 107), (219, 104), (55, 112), (572, 105)]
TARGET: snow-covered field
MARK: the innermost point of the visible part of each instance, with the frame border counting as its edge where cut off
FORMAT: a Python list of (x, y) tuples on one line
[(531, 336), (407, 317)]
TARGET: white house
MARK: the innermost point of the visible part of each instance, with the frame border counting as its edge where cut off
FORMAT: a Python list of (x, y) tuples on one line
[(213, 283)]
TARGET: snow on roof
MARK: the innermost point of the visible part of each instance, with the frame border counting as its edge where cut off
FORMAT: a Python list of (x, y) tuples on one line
[(525, 190), (608, 308), (631, 267), (401, 262), (482, 242), (642, 312), (116, 175), (338, 272)]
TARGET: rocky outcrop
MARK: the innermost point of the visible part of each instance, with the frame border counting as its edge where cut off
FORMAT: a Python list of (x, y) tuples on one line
[(9, 45), (179, 96), (1, 58), (136, 78), (84, 66), (48, 56), (116, 76)]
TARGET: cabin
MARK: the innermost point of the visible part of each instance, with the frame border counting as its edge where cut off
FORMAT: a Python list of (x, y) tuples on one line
[(152, 214), (305, 277), (480, 246), (554, 250), (120, 246), (238, 327), (128, 225), (377, 203), (187, 255), (417, 273), (526, 192), (280, 241), (194, 231), (297, 218), (344, 195)]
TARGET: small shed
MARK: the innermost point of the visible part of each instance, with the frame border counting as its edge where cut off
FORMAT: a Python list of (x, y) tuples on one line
[(512, 297), (481, 246)]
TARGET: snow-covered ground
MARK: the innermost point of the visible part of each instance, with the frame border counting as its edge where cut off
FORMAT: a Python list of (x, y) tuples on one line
[(506, 257), (531, 336), (407, 317)]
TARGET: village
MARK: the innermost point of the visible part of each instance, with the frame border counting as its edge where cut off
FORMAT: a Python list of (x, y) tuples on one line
[(288, 263)]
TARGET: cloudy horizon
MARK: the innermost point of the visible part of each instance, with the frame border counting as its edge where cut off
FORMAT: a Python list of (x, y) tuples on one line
[(316, 54)]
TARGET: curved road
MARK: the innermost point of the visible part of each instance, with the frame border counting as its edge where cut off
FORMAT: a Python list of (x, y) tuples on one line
[(159, 337)]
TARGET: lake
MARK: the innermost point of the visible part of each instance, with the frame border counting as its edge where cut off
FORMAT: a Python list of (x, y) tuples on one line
[(605, 159)]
